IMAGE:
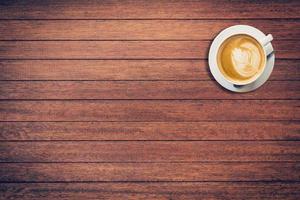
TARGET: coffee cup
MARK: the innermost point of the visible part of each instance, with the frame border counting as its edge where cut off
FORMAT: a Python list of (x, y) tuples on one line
[(239, 54)]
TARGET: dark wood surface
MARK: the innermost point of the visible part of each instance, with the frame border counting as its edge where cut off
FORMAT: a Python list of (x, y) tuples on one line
[(285, 49), (156, 9), (139, 29), (132, 70), (114, 100), (151, 190), (151, 172)]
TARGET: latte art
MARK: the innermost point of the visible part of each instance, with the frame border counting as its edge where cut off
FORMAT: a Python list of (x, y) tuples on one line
[(245, 62), (241, 58)]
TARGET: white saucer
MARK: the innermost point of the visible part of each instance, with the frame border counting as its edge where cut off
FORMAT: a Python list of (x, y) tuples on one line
[(212, 59)]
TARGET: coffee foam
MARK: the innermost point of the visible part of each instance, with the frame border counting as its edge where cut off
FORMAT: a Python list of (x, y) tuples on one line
[(240, 58)]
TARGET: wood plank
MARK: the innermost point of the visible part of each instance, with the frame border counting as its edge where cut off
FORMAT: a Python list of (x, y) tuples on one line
[(123, 49), (22, 131), (159, 191), (120, 69), (149, 151), (125, 70), (223, 171), (33, 90), (149, 131), (18, 9), (149, 110), (137, 29)]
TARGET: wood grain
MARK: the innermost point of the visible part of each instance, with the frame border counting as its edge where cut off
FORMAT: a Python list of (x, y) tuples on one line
[(139, 29), (159, 191), (123, 49), (22, 131), (125, 70), (149, 151), (224, 171), (149, 110), (141, 90), (115, 9)]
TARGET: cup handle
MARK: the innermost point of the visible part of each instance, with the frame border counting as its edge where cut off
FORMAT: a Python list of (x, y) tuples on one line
[(266, 44)]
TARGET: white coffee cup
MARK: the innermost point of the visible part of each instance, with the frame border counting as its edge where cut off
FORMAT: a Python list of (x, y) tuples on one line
[(260, 37)]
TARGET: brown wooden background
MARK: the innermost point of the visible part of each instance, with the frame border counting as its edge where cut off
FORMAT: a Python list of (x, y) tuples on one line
[(114, 100)]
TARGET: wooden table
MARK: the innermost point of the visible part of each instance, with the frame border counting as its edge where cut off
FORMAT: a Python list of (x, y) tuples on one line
[(114, 100)]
